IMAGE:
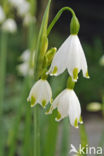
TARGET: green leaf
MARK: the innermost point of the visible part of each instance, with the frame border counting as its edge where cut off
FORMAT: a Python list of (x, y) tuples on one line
[(83, 138), (42, 43), (65, 138)]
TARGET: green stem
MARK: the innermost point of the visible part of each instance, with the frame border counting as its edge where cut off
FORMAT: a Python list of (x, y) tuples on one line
[(58, 16), (65, 138), (83, 138), (2, 84), (36, 132)]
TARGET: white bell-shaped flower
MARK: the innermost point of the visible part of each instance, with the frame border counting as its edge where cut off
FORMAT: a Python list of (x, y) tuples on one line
[(9, 26), (25, 56), (67, 104), (2, 15), (16, 3), (26, 68), (29, 19), (70, 56), (23, 9), (40, 93)]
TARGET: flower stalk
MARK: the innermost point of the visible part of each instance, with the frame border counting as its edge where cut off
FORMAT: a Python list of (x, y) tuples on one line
[(58, 16), (3, 55)]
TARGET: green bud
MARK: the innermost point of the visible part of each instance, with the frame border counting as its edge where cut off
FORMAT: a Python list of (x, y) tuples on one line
[(49, 55), (74, 25), (44, 45)]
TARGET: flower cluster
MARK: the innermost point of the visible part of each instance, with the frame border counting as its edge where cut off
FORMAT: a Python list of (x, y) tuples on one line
[(26, 67), (69, 56), (8, 24)]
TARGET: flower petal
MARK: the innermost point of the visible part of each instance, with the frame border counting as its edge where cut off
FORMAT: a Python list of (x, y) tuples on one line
[(74, 109), (60, 59)]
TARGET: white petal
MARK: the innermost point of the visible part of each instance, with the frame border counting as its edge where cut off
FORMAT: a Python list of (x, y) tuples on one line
[(63, 104), (74, 109), (44, 92), (25, 55), (60, 58), (74, 57), (2, 15), (83, 59), (9, 25)]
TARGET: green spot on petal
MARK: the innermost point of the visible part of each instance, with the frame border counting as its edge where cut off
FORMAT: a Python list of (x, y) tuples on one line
[(75, 73), (80, 120), (55, 70), (51, 101), (76, 123), (33, 100), (44, 103), (87, 75), (58, 116)]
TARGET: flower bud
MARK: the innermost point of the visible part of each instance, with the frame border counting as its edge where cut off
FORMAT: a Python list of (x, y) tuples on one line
[(74, 25)]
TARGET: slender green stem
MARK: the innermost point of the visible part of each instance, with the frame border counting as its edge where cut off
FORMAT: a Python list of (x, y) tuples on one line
[(36, 131), (58, 16), (2, 84), (65, 138), (83, 138), (28, 150)]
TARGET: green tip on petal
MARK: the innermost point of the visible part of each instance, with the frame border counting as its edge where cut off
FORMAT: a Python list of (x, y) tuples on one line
[(33, 101), (51, 101), (76, 123), (44, 103), (55, 70), (48, 111), (87, 75), (80, 120), (75, 73), (58, 116)]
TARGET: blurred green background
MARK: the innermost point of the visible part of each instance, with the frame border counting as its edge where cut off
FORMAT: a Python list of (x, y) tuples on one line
[(90, 14)]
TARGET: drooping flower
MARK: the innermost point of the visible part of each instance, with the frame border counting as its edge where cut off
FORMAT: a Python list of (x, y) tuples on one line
[(40, 93), (67, 104), (70, 56), (22, 6), (25, 67), (2, 15), (15, 3), (23, 9), (28, 19), (9, 26)]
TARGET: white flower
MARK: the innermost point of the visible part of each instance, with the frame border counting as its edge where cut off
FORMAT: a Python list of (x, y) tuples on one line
[(24, 8), (102, 61), (70, 56), (25, 68), (40, 93), (9, 25), (25, 55), (28, 19), (16, 3), (67, 104), (2, 15)]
